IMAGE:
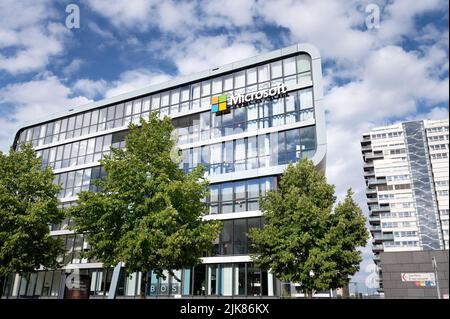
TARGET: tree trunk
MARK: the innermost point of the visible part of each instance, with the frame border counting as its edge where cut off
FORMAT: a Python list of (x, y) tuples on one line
[(309, 294), (2, 283), (144, 283)]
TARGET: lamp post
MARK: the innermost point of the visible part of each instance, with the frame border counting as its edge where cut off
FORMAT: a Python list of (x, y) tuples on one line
[(434, 263), (311, 274)]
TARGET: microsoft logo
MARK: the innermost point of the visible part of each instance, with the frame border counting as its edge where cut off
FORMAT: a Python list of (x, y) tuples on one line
[(223, 102), (218, 103)]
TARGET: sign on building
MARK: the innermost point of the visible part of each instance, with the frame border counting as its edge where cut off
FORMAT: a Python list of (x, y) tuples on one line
[(420, 279)]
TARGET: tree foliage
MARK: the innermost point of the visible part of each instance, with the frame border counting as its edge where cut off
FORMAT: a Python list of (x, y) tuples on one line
[(148, 212), (304, 239), (28, 205)]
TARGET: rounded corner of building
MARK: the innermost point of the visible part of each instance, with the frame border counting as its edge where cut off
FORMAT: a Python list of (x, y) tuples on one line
[(310, 49), (320, 158), (15, 138)]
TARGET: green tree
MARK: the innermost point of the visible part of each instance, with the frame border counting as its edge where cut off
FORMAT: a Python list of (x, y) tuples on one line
[(304, 240), (28, 205), (148, 212)]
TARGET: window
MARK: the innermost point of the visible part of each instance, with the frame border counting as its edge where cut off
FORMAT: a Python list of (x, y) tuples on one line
[(289, 66), (263, 73), (233, 239), (155, 102), (217, 85), (195, 91), (254, 152), (276, 69), (238, 196), (239, 79), (303, 63), (175, 97), (226, 238), (206, 88), (251, 76), (165, 98)]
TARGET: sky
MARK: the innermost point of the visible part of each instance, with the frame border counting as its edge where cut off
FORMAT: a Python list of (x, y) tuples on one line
[(373, 76)]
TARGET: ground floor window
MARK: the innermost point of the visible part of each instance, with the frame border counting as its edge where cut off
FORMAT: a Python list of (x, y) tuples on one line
[(221, 279), (33, 285), (230, 279)]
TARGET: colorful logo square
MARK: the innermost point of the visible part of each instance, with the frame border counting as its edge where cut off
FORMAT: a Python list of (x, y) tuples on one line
[(218, 103)]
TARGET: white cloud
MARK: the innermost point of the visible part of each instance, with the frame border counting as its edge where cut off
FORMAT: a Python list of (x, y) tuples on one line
[(196, 54), (104, 33), (138, 14), (392, 84), (33, 100), (398, 17), (90, 88), (28, 37), (330, 25), (436, 113), (180, 18), (229, 13), (72, 67), (177, 17)]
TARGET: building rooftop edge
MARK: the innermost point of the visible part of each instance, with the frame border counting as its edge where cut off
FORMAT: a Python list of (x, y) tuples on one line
[(396, 125), (296, 48)]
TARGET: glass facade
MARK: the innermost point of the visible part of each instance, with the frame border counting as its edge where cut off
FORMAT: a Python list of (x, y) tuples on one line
[(291, 70), (233, 279), (253, 152), (253, 140), (233, 239), (81, 152), (74, 182), (238, 196), (298, 106), (421, 177), (41, 284)]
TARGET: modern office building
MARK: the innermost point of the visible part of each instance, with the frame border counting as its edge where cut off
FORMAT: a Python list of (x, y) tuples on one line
[(244, 121), (407, 176)]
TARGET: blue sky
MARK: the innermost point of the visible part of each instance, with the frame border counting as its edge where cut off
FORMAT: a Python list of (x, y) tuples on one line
[(372, 76)]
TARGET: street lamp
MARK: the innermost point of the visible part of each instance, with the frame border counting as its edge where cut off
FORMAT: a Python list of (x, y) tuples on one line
[(311, 274), (434, 263)]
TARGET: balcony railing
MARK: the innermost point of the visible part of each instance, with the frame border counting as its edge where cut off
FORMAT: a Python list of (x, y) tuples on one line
[(374, 219), (388, 237), (376, 181), (373, 156), (382, 237), (368, 165), (379, 209), (377, 247)]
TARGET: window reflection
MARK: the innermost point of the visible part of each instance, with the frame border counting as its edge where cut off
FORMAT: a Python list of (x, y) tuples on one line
[(238, 196), (296, 69), (278, 148)]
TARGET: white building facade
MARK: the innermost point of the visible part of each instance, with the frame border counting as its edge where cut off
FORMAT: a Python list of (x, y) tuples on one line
[(407, 176)]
